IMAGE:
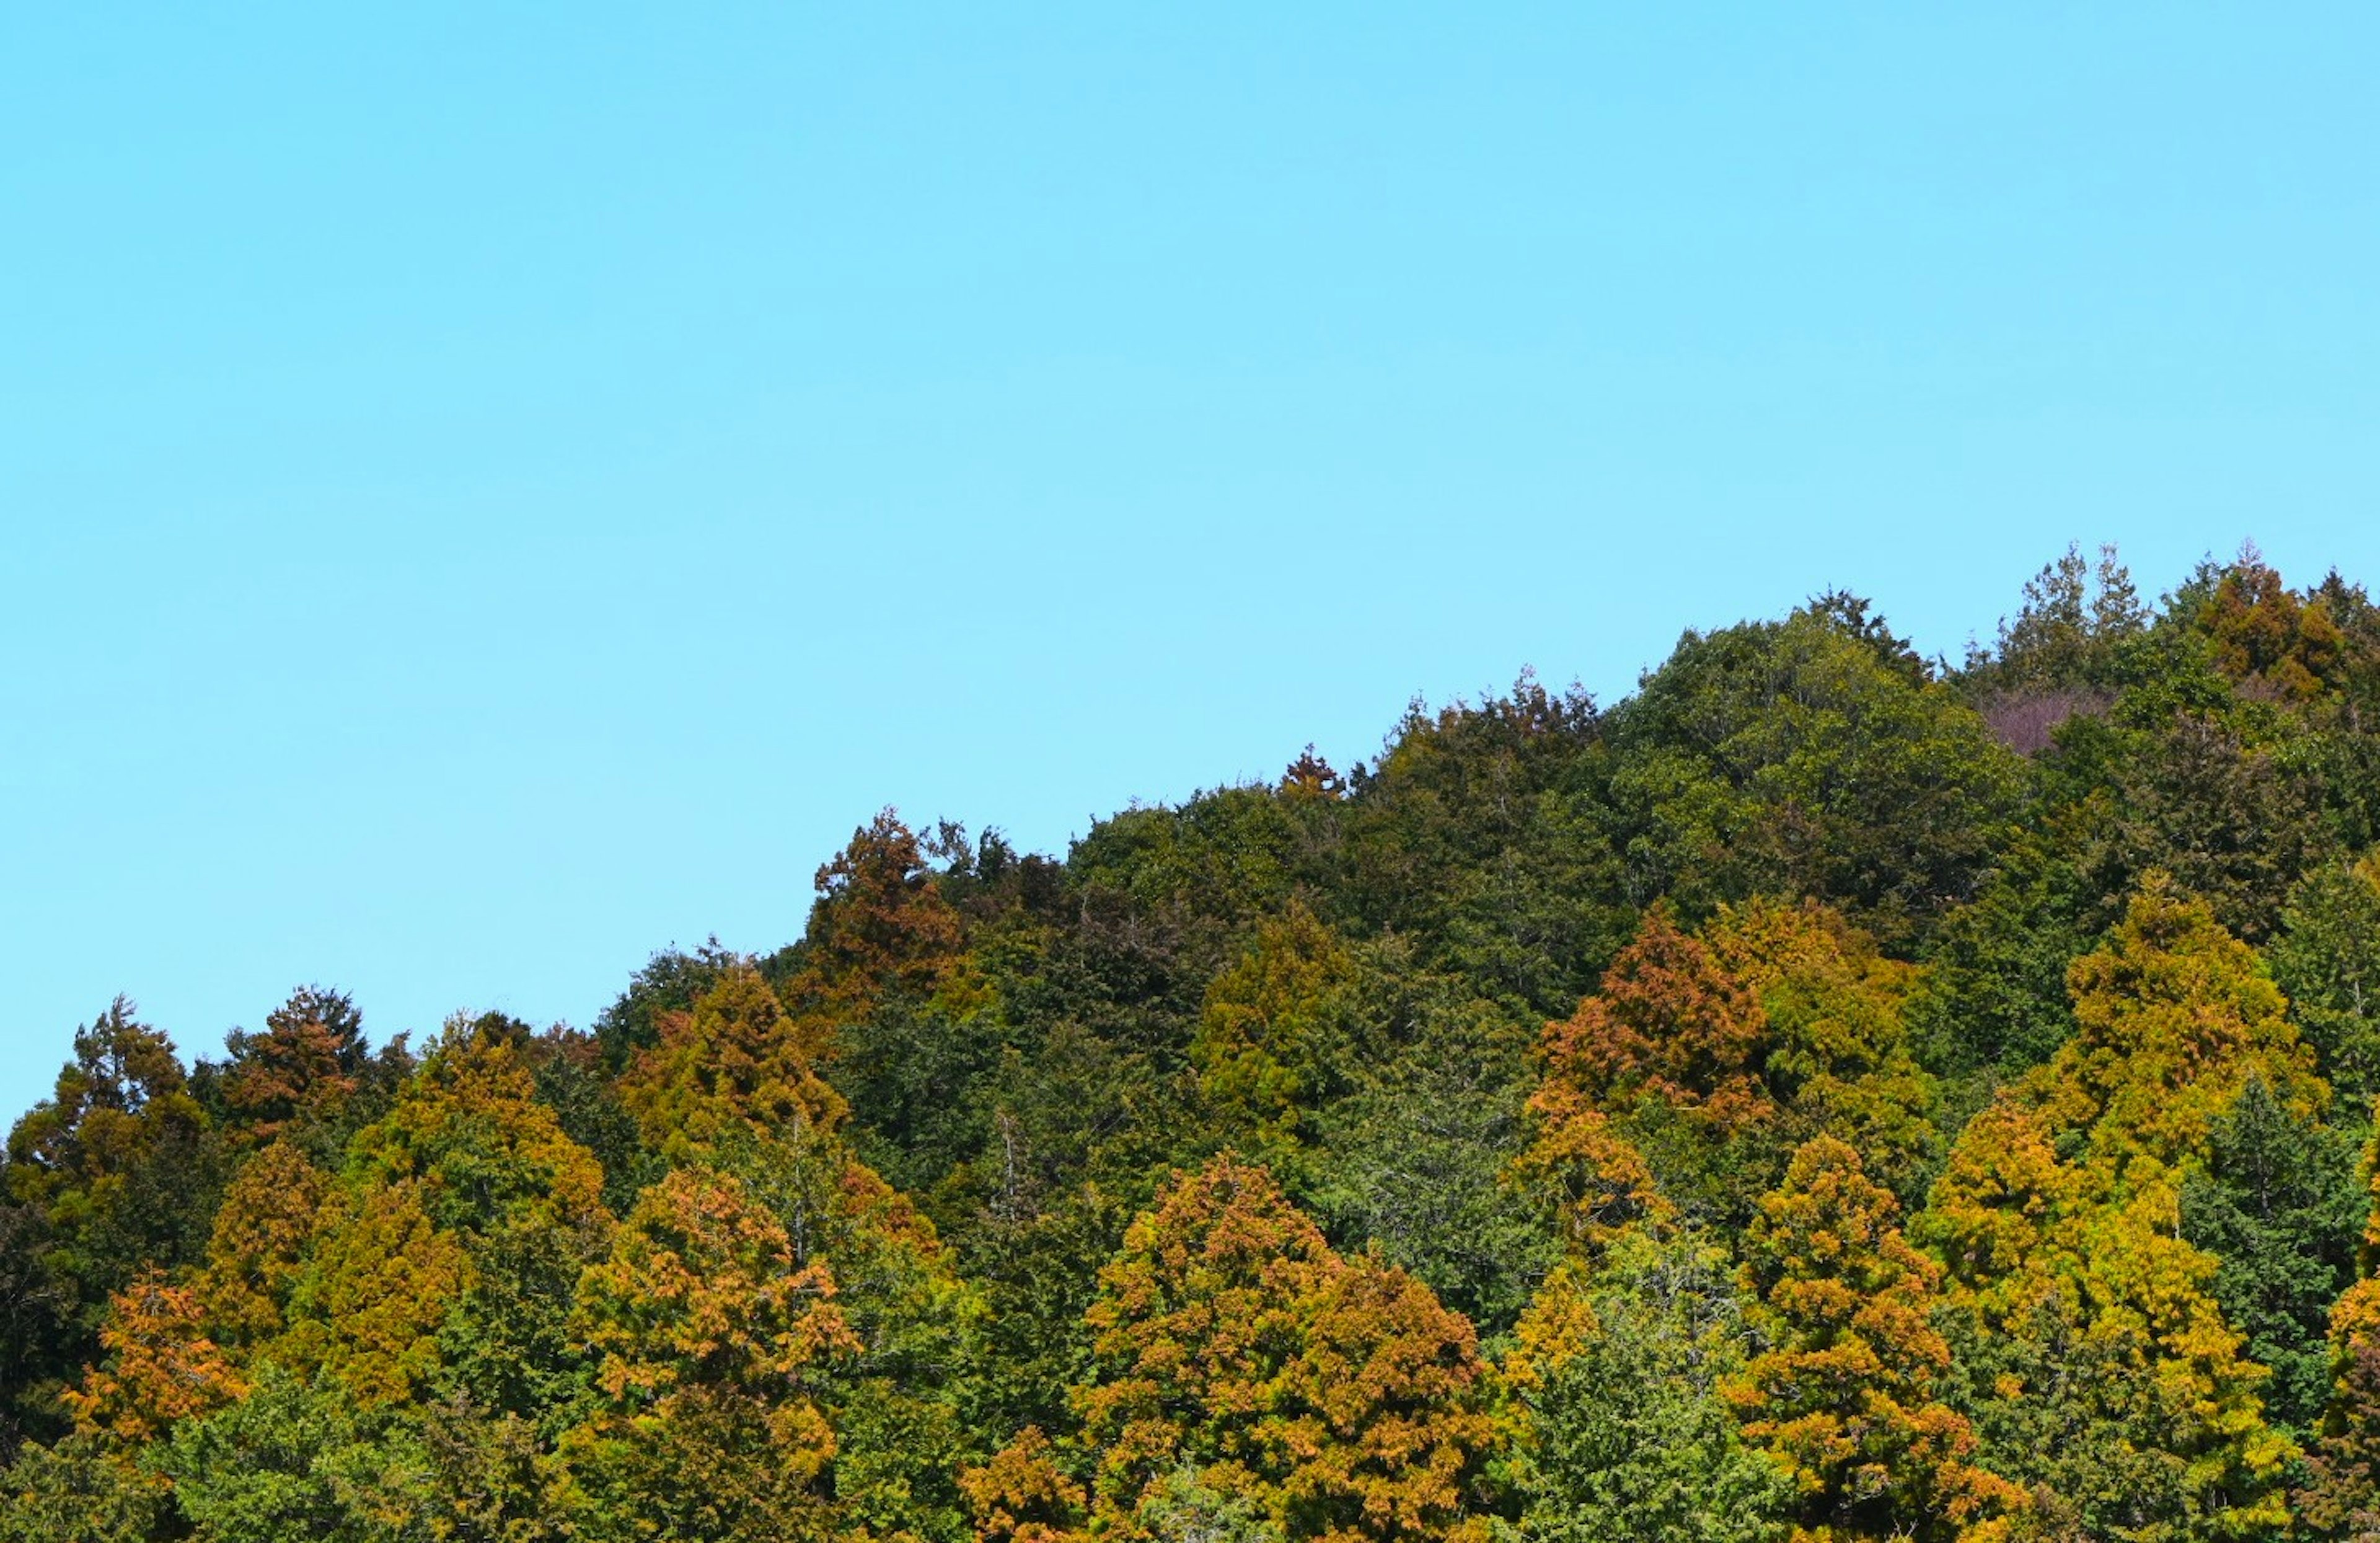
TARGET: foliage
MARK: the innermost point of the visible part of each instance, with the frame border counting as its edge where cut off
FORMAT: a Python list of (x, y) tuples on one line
[(1619, 1429), (1331, 1398), (1507, 1134), (1846, 1391)]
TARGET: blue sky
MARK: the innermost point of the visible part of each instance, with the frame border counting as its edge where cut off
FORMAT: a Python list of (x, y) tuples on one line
[(490, 491)]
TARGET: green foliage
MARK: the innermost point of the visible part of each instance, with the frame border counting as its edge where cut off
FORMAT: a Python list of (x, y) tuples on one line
[(2277, 1204), (1798, 758), (1414, 1161), (113, 1174), (1619, 1429), (2327, 960), (294, 1459), (84, 1489)]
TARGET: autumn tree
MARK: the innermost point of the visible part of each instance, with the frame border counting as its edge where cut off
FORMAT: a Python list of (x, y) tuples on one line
[(709, 1332), (2174, 1017), (732, 1090), (2092, 1356), (263, 1231), (1332, 1398), (879, 928), (305, 1064), (1847, 1391), (737, 1062), (1672, 1045), (160, 1368), (2265, 636), (1837, 1057)]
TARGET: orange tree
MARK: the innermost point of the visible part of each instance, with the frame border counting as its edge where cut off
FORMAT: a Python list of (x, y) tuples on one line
[(1244, 1369)]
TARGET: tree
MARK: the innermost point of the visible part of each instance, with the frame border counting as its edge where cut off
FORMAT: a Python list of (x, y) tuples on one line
[(709, 1334), (2174, 1017), (2093, 1358), (2075, 616), (2268, 637), (1846, 1393), (1331, 1398), (1414, 1160), (879, 928), (1277, 1033), (305, 1064), (110, 1176), (84, 1488), (2327, 960), (295, 1459), (382, 1282), (1838, 1056), (263, 1231), (468, 1128), (1672, 1047), (1617, 1431), (1806, 757), (672, 981), (737, 1064), (2343, 1498), (2278, 1205), (160, 1368)]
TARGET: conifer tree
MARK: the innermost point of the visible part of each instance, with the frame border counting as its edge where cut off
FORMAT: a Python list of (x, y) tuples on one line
[(1331, 1398), (2174, 1017), (305, 1064), (2344, 1497), (1846, 1392), (709, 1334), (263, 1231)]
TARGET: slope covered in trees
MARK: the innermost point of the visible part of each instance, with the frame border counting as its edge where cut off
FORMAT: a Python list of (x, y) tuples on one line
[(1827, 1095)]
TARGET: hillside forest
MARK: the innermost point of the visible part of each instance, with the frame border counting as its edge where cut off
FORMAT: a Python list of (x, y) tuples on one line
[(1828, 1094)]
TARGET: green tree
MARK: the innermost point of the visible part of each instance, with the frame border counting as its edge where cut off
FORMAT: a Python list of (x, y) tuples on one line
[(1617, 1431), (2327, 960), (2277, 1204), (112, 1174), (1808, 757)]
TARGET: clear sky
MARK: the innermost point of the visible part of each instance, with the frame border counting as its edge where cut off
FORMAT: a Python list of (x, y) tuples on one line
[(488, 490)]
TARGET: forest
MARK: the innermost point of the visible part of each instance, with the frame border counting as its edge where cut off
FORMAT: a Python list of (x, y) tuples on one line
[(1828, 1094)]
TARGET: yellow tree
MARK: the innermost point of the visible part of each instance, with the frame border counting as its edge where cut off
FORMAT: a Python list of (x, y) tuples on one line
[(737, 1062), (1847, 1394), (1837, 1055), (380, 1283), (2101, 1369), (2173, 1018), (263, 1231)]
